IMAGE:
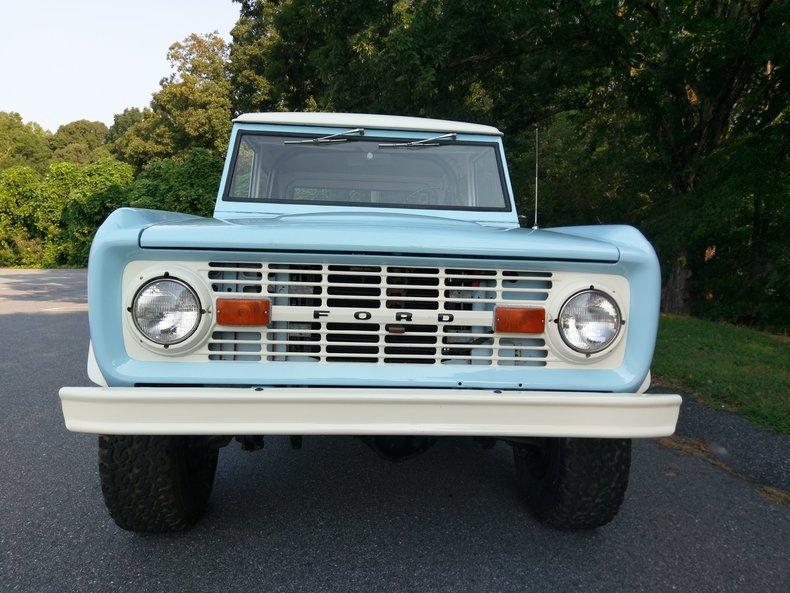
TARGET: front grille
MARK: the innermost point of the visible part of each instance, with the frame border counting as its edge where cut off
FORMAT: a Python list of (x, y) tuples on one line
[(379, 314)]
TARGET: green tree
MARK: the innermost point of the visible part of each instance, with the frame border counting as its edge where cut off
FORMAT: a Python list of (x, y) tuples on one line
[(90, 134), (196, 96), (192, 108), (50, 204), (695, 75), (98, 189), (20, 243), (187, 183), (122, 122), (80, 141), (738, 247), (50, 220), (22, 143), (146, 140), (647, 105), (452, 58)]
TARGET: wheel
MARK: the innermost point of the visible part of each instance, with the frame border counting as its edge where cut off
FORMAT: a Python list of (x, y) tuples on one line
[(156, 484), (573, 483)]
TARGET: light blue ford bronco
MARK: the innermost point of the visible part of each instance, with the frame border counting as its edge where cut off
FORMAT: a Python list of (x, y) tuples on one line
[(366, 275)]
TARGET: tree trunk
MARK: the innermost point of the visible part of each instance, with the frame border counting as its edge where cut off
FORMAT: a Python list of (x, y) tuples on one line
[(674, 293)]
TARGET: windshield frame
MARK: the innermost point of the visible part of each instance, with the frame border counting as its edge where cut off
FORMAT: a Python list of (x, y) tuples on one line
[(369, 135)]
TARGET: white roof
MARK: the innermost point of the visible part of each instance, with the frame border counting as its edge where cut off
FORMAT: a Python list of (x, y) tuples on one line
[(366, 120)]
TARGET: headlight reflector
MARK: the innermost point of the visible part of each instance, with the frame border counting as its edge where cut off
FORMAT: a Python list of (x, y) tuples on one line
[(589, 321), (166, 311)]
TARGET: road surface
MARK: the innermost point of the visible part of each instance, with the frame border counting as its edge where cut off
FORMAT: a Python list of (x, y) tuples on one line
[(333, 516)]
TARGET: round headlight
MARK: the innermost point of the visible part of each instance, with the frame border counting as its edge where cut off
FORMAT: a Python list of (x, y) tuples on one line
[(166, 311), (589, 321)]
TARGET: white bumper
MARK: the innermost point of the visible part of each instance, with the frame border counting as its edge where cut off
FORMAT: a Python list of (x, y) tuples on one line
[(358, 411)]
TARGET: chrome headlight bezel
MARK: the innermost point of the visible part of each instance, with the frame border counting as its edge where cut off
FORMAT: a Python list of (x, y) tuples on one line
[(166, 278), (612, 340)]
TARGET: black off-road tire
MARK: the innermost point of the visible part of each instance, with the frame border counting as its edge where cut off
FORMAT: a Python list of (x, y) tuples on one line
[(573, 483), (156, 484)]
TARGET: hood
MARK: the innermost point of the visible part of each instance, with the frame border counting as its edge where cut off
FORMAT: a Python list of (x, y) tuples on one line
[(404, 234)]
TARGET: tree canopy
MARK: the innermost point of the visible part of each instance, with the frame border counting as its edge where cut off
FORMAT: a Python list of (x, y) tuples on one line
[(645, 106), (671, 116), (191, 109), (22, 143)]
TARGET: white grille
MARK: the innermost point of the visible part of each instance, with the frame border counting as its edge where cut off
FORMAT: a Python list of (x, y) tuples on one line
[(378, 314)]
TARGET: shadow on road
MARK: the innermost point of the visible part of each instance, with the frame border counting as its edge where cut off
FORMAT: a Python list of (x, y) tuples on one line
[(63, 286)]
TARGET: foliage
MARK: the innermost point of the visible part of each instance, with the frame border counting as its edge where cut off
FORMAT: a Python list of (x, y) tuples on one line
[(191, 109), (187, 183), (90, 134), (20, 244), (742, 256), (738, 368), (50, 210), (80, 141), (145, 140), (22, 143), (668, 116), (94, 191), (122, 122), (50, 219), (649, 110), (196, 97)]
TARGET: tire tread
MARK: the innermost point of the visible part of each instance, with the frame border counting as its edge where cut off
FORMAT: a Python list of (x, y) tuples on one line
[(147, 485), (584, 485)]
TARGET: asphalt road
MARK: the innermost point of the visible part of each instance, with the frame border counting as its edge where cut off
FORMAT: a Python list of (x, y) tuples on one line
[(333, 516)]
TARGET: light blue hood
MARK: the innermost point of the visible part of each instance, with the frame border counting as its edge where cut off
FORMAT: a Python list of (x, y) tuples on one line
[(406, 234)]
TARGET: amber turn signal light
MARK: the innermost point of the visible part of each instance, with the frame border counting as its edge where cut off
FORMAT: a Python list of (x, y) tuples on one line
[(519, 320), (243, 311)]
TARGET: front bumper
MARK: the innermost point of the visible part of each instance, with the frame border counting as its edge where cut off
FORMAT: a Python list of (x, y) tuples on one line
[(357, 411)]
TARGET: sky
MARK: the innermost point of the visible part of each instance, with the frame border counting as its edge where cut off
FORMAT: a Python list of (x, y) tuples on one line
[(62, 60)]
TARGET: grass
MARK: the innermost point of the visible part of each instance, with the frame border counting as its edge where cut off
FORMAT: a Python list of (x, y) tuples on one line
[(740, 369)]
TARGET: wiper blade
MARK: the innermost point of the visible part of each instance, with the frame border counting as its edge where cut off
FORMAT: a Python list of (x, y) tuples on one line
[(435, 141), (339, 137)]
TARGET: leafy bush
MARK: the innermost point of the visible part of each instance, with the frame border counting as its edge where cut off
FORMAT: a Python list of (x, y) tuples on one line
[(20, 242), (96, 190), (187, 183), (50, 219)]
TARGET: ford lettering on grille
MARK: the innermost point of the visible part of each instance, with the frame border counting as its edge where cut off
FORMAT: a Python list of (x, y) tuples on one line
[(406, 316)]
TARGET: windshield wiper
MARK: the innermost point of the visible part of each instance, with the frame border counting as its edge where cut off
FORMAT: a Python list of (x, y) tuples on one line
[(339, 137), (435, 141)]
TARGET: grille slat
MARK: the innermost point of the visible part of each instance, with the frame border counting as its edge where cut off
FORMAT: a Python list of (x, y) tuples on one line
[(460, 301)]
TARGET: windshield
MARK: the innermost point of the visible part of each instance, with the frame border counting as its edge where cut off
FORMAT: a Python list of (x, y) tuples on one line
[(353, 171)]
